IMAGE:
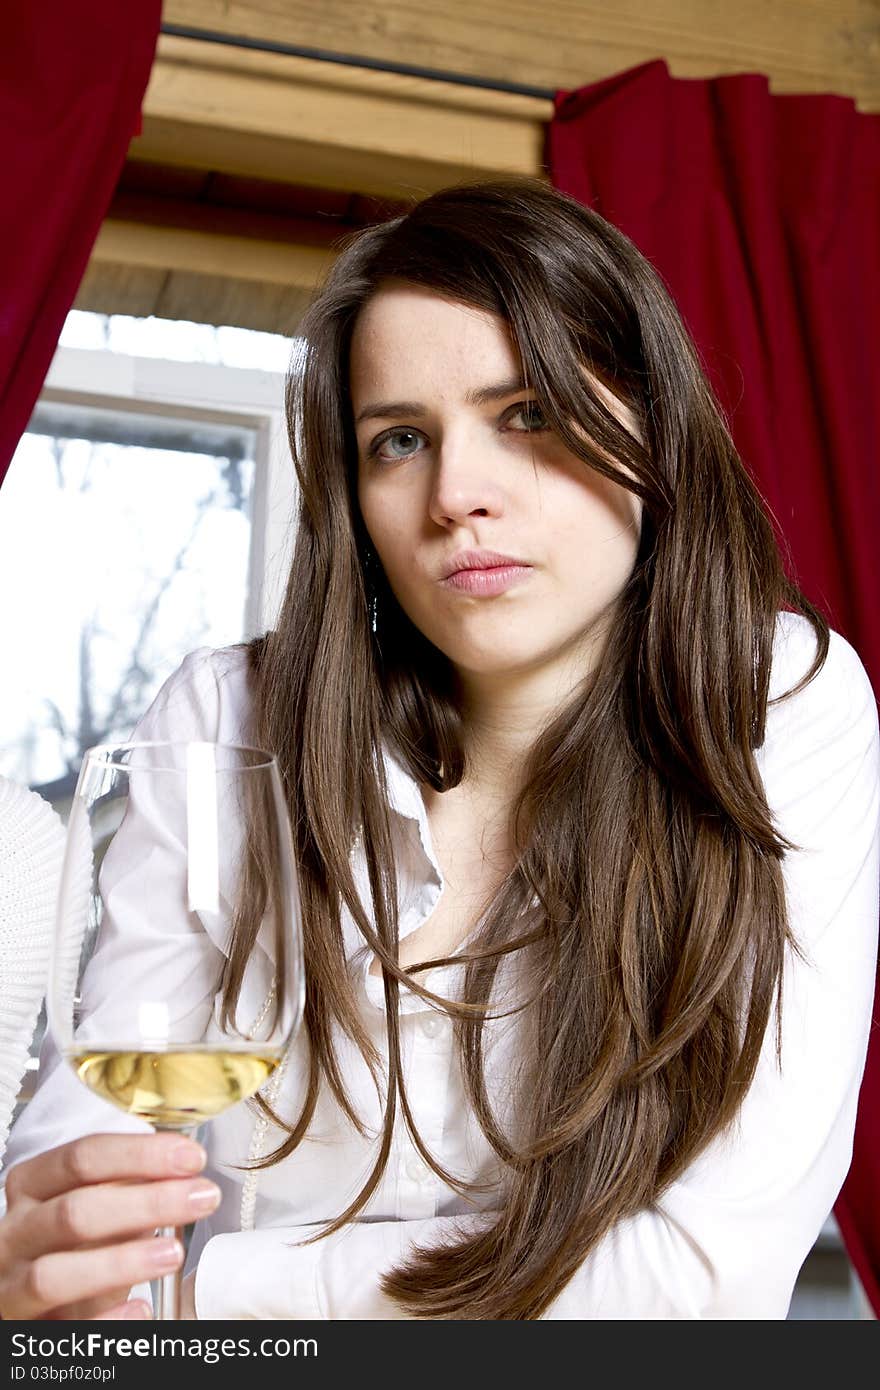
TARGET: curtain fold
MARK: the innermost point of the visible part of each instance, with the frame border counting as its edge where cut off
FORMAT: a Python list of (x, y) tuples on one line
[(72, 79), (761, 212)]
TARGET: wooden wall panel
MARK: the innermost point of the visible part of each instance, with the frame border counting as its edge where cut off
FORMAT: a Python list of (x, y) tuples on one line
[(109, 288)]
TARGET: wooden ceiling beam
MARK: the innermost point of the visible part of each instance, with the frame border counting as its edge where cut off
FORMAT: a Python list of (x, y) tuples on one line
[(820, 46), (210, 252), (270, 116)]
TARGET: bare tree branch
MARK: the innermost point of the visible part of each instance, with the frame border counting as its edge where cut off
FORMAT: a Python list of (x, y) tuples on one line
[(135, 674), (57, 447), (87, 734), (126, 706), (57, 718)]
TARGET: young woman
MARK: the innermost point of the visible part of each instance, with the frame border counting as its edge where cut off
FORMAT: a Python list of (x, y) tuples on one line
[(585, 806)]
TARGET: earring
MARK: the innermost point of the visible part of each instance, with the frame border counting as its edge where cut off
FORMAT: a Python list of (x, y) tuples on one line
[(369, 578)]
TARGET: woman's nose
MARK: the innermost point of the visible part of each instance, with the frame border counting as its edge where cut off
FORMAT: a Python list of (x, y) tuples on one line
[(464, 480)]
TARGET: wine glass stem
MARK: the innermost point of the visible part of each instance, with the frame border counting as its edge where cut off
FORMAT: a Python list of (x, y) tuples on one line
[(169, 1285), (168, 1305)]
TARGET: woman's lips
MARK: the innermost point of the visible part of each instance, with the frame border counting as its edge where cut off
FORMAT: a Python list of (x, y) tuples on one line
[(483, 583)]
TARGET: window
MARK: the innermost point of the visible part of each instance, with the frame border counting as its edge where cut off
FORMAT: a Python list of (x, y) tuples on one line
[(148, 510)]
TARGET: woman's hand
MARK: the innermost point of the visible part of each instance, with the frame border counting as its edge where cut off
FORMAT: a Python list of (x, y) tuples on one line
[(80, 1222)]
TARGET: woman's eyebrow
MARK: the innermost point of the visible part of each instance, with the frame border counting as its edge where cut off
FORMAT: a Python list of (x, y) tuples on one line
[(389, 410)]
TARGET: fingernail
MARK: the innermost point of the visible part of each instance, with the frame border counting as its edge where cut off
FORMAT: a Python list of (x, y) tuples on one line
[(188, 1158), (205, 1196), (136, 1309), (166, 1254)]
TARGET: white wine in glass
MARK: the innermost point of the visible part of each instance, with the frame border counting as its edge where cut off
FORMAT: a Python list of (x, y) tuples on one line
[(176, 982)]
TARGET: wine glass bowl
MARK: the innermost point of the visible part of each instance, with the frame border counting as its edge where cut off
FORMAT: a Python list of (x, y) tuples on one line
[(176, 981)]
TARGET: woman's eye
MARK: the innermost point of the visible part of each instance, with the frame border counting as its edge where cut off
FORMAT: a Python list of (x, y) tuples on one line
[(528, 409), (389, 438)]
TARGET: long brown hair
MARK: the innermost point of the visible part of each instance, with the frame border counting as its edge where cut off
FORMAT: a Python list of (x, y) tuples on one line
[(642, 829)]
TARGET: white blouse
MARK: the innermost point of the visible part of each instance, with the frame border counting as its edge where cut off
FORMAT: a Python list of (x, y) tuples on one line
[(726, 1240)]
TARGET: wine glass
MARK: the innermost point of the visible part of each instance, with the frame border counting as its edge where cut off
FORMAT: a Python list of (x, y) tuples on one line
[(176, 981)]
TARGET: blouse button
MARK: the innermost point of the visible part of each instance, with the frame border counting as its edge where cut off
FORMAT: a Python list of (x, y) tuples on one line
[(430, 1025)]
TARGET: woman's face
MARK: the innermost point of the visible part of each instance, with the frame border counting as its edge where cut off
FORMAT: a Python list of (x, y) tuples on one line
[(440, 471)]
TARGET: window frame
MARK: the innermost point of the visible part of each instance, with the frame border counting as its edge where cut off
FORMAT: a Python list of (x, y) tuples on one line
[(205, 391)]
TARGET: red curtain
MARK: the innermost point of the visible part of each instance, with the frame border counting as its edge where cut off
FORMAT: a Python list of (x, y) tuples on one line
[(72, 79), (762, 214)]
